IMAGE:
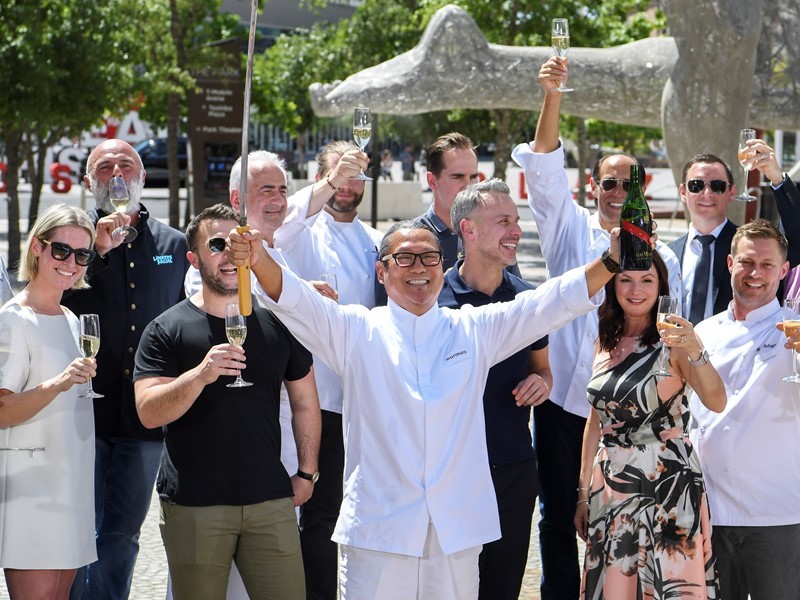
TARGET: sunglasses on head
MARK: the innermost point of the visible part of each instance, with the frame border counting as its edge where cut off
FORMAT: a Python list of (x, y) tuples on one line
[(718, 186), (61, 251), (610, 183), (216, 245)]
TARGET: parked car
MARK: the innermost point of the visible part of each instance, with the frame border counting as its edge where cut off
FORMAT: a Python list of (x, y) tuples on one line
[(154, 158)]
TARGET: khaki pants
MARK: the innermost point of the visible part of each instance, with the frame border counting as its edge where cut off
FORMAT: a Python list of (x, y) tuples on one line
[(202, 541)]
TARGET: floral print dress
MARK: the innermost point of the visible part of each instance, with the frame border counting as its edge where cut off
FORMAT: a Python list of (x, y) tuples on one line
[(649, 530)]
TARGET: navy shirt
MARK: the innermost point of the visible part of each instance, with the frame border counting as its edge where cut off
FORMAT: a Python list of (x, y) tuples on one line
[(508, 435), (130, 287)]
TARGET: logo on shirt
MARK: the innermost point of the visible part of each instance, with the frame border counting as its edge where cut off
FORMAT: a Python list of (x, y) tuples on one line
[(455, 355), (165, 259)]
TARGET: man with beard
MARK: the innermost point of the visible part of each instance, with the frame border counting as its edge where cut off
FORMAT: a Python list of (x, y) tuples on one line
[(323, 234), (235, 503), (130, 284)]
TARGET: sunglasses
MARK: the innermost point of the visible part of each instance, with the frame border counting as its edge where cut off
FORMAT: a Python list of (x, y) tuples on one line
[(216, 245), (718, 186), (610, 183), (61, 252)]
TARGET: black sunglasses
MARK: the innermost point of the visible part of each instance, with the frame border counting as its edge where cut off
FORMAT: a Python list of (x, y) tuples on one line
[(216, 245), (61, 251), (610, 183), (718, 186), (407, 259)]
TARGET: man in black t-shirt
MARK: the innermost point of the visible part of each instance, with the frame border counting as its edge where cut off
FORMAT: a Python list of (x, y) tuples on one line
[(486, 219), (224, 492)]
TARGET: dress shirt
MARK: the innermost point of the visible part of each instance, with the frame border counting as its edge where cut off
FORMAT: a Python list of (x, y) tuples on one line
[(415, 443), (570, 236), (319, 244), (691, 256), (750, 453)]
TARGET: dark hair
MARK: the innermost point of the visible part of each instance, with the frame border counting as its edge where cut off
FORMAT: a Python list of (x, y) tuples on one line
[(612, 317), (386, 242), (603, 159), (709, 159), (434, 155), (223, 212)]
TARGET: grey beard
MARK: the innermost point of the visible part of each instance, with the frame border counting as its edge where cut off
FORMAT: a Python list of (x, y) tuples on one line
[(101, 195)]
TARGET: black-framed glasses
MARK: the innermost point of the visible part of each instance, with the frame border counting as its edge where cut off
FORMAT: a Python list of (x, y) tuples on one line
[(407, 259), (61, 251), (216, 245), (610, 183), (718, 186)]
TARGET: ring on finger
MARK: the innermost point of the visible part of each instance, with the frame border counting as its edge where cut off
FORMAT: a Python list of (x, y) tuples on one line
[(683, 339)]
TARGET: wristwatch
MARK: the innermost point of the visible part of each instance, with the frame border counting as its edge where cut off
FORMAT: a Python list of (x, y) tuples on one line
[(312, 477), (703, 359), (609, 263)]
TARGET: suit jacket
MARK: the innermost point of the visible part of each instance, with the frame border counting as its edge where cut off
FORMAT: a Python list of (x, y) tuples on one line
[(787, 199)]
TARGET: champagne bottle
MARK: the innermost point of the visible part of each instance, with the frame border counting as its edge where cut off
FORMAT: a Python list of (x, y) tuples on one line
[(636, 225)]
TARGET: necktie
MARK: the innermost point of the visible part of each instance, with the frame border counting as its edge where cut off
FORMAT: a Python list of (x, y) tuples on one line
[(700, 283)]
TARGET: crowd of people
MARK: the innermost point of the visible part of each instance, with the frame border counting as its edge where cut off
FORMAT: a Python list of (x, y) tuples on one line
[(403, 422)]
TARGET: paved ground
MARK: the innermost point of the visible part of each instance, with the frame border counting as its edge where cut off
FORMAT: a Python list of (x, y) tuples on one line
[(149, 582)]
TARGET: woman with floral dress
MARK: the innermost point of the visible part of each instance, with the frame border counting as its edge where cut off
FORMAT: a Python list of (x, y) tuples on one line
[(642, 507)]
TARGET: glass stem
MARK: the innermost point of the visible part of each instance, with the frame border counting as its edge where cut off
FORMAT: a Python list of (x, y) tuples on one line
[(794, 364)]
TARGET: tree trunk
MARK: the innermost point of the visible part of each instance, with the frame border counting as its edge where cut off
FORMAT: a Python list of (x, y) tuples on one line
[(36, 171), (584, 159), (173, 165), (14, 150), (502, 151)]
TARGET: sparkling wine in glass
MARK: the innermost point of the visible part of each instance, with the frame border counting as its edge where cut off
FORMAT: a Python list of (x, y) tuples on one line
[(90, 346), (236, 330), (667, 305), (362, 132), (560, 40), (745, 155), (119, 198), (791, 325)]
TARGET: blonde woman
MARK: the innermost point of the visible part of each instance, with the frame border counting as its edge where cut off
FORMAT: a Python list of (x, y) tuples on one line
[(46, 429)]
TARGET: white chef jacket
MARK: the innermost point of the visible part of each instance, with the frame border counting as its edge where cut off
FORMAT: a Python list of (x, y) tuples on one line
[(750, 452), (570, 236), (415, 440), (319, 244)]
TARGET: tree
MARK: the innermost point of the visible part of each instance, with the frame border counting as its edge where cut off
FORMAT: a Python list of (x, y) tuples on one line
[(62, 63)]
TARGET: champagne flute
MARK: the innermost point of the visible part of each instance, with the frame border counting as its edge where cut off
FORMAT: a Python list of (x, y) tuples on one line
[(791, 325), (236, 331), (745, 154), (560, 39), (667, 305), (90, 346), (362, 132), (119, 197)]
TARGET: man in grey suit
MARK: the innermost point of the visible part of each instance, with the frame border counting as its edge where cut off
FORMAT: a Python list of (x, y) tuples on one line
[(707, 189)]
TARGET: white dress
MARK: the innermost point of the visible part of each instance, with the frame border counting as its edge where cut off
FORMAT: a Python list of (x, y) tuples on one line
[(46, 496)]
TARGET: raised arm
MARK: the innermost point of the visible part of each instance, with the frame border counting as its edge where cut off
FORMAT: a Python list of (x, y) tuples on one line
[(550, 74), (247, 248), (349, 166)]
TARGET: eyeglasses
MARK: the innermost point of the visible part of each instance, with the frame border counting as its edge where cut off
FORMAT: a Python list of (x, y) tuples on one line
[(216, 245), (407, 259), (61, 252), (610, 183), (718, 186)]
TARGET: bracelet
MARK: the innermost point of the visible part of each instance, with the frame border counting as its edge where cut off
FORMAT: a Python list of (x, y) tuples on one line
[(582, 501), (333, 187)]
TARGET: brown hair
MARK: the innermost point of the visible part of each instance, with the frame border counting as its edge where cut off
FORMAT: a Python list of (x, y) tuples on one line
[(434, 155), (760, 230)]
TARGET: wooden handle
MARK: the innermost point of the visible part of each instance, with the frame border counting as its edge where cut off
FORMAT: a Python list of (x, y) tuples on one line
[(243, 273)]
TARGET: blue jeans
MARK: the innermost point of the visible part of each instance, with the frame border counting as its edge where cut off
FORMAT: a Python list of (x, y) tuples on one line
[(558, 438), (124, 473), (761, 561)]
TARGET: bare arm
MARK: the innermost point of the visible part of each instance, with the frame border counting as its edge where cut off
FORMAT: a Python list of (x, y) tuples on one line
[(591, 441), (18, 407), (684, 344), (349, 166), (550, 74), (307, 427), (162, 400), (535, 388)]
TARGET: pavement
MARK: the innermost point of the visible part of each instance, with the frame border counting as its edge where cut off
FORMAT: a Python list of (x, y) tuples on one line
[(149, 581)]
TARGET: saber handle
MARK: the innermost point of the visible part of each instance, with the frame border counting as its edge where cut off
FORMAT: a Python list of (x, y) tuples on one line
[(243, 274)]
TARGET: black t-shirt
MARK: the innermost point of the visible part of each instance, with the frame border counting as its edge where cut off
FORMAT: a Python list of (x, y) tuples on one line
[(508, 435), (226, 448)]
